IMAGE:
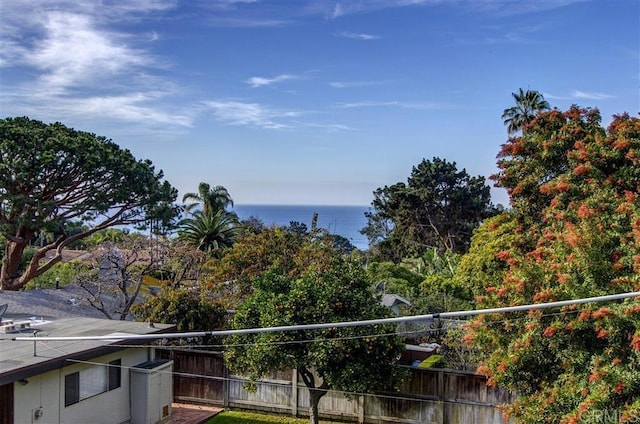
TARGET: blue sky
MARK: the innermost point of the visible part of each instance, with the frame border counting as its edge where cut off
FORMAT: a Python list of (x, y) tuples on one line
[(311, 101)]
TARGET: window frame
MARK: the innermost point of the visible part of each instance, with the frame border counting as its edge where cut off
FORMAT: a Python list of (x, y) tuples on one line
[(75, 391)]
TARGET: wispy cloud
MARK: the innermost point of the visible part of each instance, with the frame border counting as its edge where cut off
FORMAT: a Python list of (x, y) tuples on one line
[(244, 22), (332, 128), (256, 82), (579, 95), (591, 95), (251, 114), (359, 36), (74, 53), (496, 7), (510, 7), (143, 108), (405, 105), (135, 107), (79, 68), (356, 84)]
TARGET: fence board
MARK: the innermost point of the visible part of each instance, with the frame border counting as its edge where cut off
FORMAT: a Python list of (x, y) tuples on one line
[(427, 396)]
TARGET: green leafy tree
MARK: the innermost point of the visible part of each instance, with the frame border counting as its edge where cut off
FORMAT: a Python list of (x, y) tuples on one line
[(181, 266), (580, 238), (63, 273), (252, 225), (109, 235), (341, 243), (164, 219), (528, 104), (438, 207), (481, 267), (184, 307), (439, 290), (289, 253), (356, 359), (51, 174), (391, 278)]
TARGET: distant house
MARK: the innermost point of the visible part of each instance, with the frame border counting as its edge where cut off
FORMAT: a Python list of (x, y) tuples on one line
[(83, 381), (395, 302)]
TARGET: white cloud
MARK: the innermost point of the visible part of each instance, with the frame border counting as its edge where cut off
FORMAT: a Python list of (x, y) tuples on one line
[(74, 53), (78, 68), (590, 95), (359, 36), (256, 82), (337, 11), (578, 94), (355, 84), (136, 107), (144, 109), (244, 22), (498, 7), (250, 114), (405, 105), (332, 128)]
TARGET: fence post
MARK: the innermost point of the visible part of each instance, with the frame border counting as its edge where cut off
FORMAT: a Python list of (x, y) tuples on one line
[(442, 396), (225, 386), (361, 409), (294, 392)]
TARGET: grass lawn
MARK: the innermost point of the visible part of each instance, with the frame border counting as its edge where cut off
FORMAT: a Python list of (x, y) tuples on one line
[(237, 417)]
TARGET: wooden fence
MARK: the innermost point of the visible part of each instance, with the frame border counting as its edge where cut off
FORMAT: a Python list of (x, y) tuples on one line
[(428, 396)]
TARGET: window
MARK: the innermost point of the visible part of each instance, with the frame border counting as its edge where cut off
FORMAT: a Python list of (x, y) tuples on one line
[(115, 374), (71, 389), (92, 381)]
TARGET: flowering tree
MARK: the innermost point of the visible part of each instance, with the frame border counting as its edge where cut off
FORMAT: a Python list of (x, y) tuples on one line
[(574, 188)]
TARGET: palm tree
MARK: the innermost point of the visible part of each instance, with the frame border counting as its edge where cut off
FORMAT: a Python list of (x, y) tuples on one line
[(528, 104), (212, 199), (210, 232)]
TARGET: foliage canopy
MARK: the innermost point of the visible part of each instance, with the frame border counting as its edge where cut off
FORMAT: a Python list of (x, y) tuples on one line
[(439, 207), (576, 233), (353, 359), (51, 174)]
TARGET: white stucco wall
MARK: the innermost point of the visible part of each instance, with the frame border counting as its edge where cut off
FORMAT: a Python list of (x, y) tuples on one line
[(46, 392)]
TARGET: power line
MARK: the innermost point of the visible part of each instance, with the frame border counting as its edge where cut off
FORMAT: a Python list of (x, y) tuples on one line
[(406, 332), (427, 317)]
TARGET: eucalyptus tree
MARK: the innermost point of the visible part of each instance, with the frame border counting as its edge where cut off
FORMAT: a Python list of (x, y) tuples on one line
[(528, 104), (50, 175)]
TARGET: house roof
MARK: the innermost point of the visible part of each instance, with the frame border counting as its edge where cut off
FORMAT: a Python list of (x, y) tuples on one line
[(23, 359), (66, 302), (394, 299)]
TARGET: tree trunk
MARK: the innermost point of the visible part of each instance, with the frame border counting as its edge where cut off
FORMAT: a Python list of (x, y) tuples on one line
[(10, 277), (314, 398), (315, 393), (10, 272)]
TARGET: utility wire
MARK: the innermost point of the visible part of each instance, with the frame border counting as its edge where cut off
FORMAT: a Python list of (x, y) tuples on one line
[(428, 317), (407, 332)]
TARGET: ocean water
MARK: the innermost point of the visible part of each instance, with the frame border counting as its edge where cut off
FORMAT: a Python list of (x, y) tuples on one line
[(346, 221)]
